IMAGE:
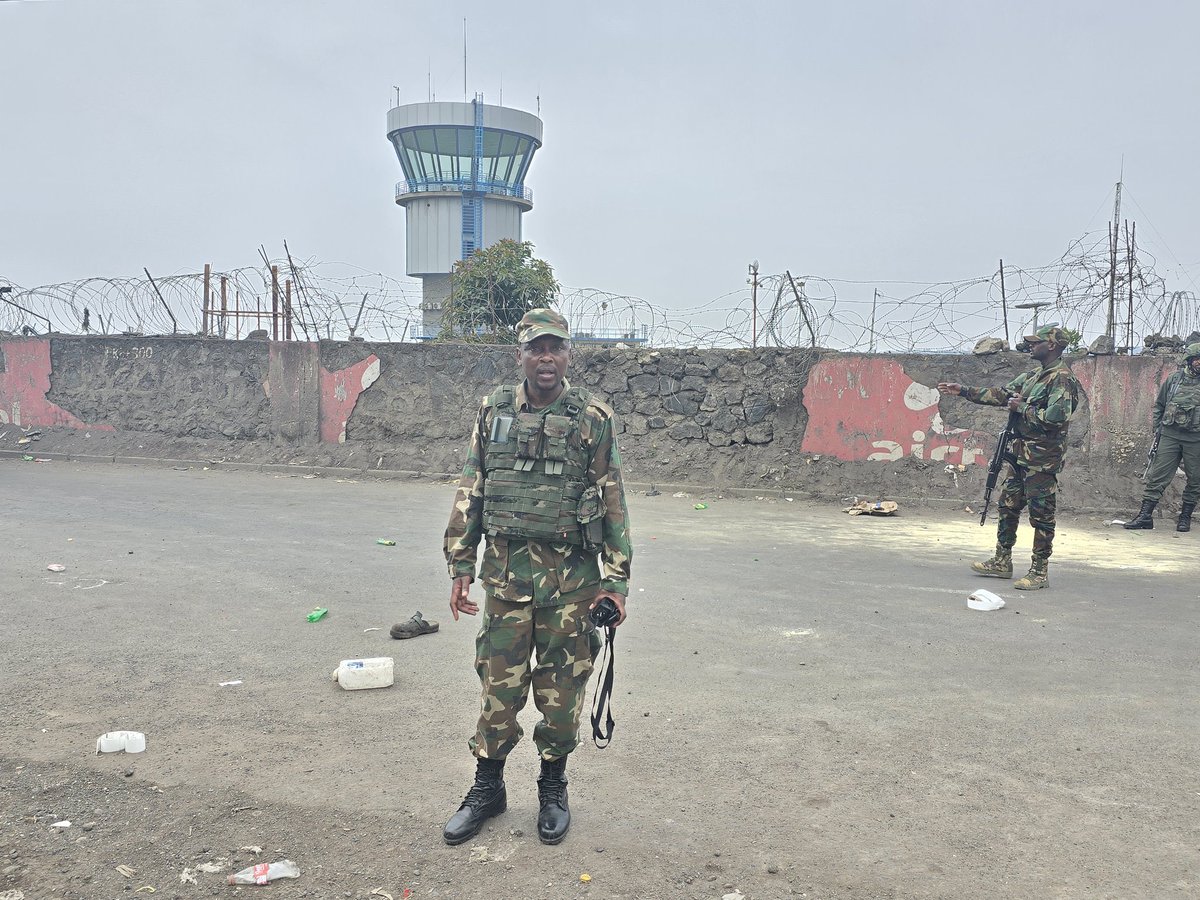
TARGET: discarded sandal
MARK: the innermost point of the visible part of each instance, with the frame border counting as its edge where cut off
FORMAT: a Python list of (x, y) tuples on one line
[(414, 627)]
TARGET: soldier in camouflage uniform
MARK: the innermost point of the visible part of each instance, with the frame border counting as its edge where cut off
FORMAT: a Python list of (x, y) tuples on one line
[(542, 481), (1177, 421), (1046, 398)]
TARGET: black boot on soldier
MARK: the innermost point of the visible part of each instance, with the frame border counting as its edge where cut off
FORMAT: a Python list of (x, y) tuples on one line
[(554, 817), (486, 798), (1185, 517), (1145, 518)]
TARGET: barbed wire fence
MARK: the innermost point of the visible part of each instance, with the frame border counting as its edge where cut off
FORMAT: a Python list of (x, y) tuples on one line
[(338, 301)]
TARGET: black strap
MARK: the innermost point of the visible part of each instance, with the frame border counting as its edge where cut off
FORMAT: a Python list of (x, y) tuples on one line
[(602, 699)]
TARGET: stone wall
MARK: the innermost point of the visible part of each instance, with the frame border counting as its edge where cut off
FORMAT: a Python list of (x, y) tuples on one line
[(817, 422)]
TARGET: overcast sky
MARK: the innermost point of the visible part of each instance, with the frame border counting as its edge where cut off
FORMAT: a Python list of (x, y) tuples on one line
[(888, 140)]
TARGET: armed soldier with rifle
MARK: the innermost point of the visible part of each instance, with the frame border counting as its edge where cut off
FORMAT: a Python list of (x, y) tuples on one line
[(1040, 403), (1176, 441)]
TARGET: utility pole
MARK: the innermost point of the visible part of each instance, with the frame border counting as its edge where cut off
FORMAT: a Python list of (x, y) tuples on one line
[(753, 268), (1109, 328), (1130, 245)]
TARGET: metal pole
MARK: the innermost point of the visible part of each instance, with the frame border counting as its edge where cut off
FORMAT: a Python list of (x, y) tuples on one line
[(1004, 303), (274, 303), (803, 311), (1131, 236), (204, 306), (874, 301), (174, 324), (754, 304), (287, 307), (224, 307)]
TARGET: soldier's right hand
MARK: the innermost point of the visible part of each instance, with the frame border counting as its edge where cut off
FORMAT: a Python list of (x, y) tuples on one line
[(460, 600), (953, 388)]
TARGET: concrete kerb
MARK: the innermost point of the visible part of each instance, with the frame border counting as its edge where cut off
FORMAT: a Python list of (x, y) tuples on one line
[(740, 493)]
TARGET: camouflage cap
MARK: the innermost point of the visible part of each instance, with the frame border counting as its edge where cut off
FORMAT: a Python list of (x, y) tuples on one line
[(538, 322), (1191, 351), (1052, 334)]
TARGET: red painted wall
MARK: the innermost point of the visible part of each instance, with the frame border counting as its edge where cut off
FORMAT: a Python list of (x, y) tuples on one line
[(868, 408), (24, 384), (339, 393)]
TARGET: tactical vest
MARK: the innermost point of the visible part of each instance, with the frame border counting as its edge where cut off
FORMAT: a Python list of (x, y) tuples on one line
[(1183, 408), (535, 467)]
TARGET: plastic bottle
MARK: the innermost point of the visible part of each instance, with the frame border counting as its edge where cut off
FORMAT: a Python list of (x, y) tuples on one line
[(317, 614), (266, 872)]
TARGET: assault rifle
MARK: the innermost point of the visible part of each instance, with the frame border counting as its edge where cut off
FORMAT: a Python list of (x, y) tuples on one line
[(998, 460), (1153, 452)]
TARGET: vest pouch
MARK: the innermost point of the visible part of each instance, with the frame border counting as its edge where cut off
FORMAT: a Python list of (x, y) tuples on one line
[(590, 514), (556, 431), (529, 435)]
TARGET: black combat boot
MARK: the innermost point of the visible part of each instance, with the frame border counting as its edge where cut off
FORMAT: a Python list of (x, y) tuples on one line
[(486, 798), (1185, 517), (1145, 518), (554, 817)]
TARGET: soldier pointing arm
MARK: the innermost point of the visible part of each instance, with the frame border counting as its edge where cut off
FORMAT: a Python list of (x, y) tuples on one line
[(1045, 399)]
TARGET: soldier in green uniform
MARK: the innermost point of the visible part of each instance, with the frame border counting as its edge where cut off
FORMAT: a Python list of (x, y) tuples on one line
[(542, 482), (1177, 422), (1046, 398)]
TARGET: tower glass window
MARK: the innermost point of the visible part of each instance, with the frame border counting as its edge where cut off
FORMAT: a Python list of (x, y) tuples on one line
[(436, 156)]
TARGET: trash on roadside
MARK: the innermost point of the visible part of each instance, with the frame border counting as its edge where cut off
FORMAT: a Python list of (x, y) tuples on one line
[(585, 877), (64, 824), (116, 741), (1116, 522), (386, 543), (984, 601), (251, 848), (210, 868), (127, 871), (317, 614), (228, 683), (146, 889), (414, 627), (187, 876), (27, 458), (867, 508), (364, 674), (700, 506), (264, 873), (368, 630), (56, 567)]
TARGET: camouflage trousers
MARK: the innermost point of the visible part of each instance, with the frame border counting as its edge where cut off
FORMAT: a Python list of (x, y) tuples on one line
[(1172, 453), (532, 642), (1040, 491)]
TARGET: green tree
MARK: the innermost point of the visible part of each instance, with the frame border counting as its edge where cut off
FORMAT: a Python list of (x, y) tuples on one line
[(493, 289)]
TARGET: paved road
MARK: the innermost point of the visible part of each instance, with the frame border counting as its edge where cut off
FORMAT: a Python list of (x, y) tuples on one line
[(797, 689)]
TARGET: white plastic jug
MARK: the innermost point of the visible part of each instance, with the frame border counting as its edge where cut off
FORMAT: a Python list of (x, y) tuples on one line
[(361, 674), (116, 741), (985, 601)]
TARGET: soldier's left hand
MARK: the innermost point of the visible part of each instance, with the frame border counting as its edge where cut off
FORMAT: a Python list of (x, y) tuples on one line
[(617, 599)]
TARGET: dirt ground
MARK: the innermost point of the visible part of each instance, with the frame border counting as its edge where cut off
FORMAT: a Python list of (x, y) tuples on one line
[(805, 706)]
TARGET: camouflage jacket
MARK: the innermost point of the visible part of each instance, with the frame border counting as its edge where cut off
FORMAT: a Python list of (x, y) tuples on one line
[(1050, 397), (463, 533), (1177, 408)]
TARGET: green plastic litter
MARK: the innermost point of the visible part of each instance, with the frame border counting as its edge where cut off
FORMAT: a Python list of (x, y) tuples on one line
[(700, 506), (317, 614)]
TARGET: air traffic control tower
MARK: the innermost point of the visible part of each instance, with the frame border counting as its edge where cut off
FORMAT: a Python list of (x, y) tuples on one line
[(464, 186)]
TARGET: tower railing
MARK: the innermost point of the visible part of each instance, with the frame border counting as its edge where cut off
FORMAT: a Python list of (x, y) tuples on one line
[(460, 185)]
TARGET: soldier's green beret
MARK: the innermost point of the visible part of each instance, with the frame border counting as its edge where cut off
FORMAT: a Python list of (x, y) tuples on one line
[(1052, 334), (539, 322)]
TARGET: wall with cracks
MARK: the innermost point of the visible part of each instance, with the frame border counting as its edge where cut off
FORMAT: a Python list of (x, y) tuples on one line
[(813, 422)]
